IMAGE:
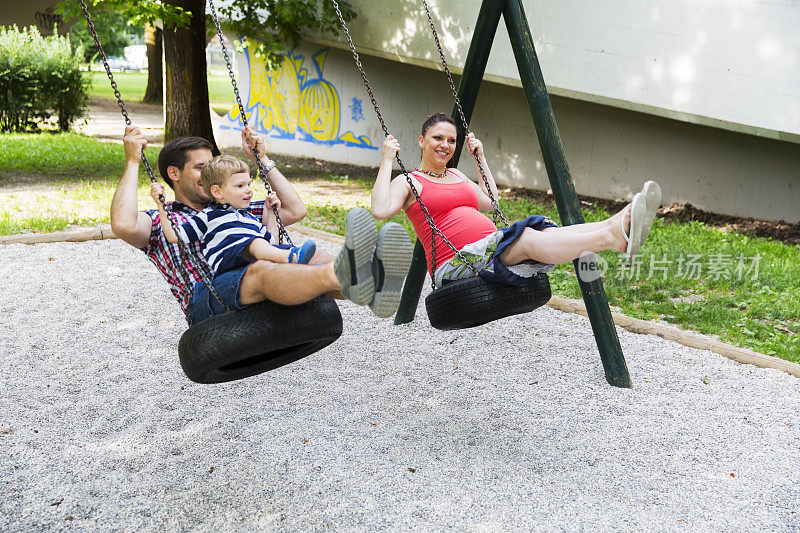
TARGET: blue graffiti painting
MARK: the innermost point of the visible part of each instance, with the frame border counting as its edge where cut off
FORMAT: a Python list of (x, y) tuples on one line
[(356, 113)]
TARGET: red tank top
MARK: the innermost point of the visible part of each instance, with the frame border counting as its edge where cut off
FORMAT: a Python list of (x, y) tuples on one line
[(454, 209)]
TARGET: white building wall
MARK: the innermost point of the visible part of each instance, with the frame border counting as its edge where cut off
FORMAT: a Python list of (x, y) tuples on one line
[(733, 64), (610, 150)]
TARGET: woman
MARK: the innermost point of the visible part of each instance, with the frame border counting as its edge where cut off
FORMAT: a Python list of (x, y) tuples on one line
[(507, 256)]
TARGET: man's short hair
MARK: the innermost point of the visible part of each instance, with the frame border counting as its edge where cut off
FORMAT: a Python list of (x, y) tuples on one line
[(176, 154), (219, 169)]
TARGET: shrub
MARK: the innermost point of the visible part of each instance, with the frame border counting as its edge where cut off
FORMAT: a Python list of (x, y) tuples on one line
[(40, 77)]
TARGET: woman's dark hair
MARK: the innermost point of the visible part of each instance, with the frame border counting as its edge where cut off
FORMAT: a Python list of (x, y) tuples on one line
[(435, 119), (176, 154)]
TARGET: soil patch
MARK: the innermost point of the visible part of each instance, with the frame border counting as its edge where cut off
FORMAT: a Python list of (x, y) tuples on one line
[(106, 122), (14, 182)]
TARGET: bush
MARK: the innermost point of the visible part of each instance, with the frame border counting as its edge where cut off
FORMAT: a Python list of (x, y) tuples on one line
[(40, 77)]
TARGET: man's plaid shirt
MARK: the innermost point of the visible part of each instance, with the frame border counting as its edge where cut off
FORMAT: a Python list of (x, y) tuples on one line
[(166, 256)]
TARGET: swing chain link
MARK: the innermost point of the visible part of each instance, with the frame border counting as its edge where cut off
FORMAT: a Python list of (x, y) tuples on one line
[(428, 218), (282, 233), (93, 31), (183, 251), (495, 204)]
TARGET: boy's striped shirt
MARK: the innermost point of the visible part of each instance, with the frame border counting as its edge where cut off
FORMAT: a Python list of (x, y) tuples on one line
[(166, 256), (222, 230)]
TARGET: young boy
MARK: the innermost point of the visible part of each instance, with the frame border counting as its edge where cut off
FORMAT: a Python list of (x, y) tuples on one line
[(231, 235)]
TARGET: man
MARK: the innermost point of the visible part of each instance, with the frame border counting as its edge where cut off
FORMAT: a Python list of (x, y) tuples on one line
[(369, 270)]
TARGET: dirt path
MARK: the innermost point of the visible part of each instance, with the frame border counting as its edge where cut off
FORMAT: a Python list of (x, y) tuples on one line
[(106, 122), (24, 196), (23, 193)]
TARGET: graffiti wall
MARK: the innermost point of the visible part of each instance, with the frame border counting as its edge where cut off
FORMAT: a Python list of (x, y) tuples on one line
[(296, 102)]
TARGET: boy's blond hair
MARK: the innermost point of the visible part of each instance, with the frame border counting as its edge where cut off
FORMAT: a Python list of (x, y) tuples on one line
[(219, 169)]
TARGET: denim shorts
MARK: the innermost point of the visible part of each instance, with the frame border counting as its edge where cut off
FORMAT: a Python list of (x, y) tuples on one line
[(204, 305)]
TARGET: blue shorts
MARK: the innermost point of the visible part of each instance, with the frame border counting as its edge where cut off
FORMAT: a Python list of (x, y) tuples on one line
[(501, 273), (204, 305)]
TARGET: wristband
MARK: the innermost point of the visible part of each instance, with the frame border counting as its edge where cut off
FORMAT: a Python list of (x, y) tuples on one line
[(269, 165)]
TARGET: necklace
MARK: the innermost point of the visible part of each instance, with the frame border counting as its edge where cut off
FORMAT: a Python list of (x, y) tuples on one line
[(432, 174)]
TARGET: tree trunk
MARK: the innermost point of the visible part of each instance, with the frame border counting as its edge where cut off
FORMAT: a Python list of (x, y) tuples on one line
[(154, 94), (187, 106)]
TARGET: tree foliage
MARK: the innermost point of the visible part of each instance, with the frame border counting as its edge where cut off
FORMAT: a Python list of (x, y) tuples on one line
[(270, 26), (112, 29), (267, 27), (136, 14)]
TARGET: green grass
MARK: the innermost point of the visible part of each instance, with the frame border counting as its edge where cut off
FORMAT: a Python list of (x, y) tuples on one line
[(60, 180), (329, 217), (756, 307), (758, 311), (61, 154), (133, 84), (10, 225)]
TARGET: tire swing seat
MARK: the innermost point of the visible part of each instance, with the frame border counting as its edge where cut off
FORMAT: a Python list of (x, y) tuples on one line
[(262, 337), (472, 302)]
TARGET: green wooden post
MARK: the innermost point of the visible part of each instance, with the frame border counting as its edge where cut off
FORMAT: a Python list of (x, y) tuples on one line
[(474, 67), (563, 188)]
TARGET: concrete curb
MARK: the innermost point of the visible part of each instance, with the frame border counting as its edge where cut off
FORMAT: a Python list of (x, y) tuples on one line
[(634, 325), (78, 235), (104, 232)]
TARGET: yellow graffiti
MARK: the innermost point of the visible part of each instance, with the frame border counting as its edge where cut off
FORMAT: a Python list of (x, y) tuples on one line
[(286, 101), (285, 92), (319, 105), (350, 137)]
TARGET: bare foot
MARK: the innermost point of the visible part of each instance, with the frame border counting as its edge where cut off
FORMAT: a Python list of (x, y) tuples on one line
[(619, 242)]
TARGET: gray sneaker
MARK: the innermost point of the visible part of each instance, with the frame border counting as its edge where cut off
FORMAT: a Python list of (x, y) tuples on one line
[(390, 268), (353, 265)]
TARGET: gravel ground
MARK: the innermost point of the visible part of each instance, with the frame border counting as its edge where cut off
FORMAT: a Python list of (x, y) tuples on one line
[(507, 426)]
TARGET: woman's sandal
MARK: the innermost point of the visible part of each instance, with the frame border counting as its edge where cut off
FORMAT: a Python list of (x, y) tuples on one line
[(652, 196)]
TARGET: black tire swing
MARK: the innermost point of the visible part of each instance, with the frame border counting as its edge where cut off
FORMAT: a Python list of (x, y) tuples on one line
[(473, 301), (264, 336)]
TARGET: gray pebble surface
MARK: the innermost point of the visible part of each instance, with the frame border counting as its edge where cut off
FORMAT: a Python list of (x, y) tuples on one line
[(509, 426)]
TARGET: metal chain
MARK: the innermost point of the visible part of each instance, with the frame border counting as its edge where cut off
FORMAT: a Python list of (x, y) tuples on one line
[(93, 31), (282, 233), (428, 218), (495, 205), (183, 250)]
